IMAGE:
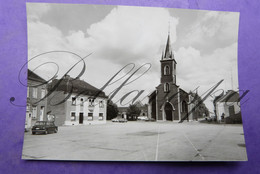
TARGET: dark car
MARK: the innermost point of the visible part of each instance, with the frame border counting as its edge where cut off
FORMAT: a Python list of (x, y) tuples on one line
[(44, 127)]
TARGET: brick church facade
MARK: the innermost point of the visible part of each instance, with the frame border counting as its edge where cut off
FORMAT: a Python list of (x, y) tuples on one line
[(168, 102)]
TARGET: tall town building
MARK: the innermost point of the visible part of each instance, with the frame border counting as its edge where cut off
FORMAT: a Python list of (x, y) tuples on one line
[(168, 102)]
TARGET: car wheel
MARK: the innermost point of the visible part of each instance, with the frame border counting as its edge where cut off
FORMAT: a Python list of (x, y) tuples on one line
[(33, 133), (55, 130)]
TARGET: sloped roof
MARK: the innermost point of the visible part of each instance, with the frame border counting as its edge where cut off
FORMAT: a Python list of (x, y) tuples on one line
[(79, 87), (230, 96), (184, 91), (34, 77)]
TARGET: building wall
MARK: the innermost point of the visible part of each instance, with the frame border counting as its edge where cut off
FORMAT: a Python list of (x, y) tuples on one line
[(184, 101), (32, 102), (220, 110), (171, 77), (81, 106), (57, 110), (171, 96), (85, 108), (229, 104), (190, 107), (223, 107), (152, 106)]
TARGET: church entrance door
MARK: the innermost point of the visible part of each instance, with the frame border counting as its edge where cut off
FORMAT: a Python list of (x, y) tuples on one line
[(168, 111)]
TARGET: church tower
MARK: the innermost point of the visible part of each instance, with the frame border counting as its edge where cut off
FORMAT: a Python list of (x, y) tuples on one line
[(168, 102), (168, 65)]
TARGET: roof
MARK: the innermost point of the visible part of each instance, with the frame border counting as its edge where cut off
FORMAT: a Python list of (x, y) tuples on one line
[(168, 51), (79, 87), (183, 91), (152, 96), (230, 96), (34, 77), (168, 48)]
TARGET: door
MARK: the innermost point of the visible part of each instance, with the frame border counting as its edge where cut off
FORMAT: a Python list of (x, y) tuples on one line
[(168, 111), (81, 117)]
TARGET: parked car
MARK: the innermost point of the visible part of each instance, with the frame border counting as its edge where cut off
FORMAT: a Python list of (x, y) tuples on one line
[(143, 118), (44, 127), (122, 120), (119, 120), (115, 119), (151, 119)]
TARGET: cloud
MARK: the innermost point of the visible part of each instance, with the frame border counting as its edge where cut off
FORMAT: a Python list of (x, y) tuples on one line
[(130, 34), (204, 71), (194, 69), (126, 35), (212, 30)]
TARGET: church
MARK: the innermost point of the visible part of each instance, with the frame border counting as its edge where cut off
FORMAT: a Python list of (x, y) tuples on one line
[(168, 102)]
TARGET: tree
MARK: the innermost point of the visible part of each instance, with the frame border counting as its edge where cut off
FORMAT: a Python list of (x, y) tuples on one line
[(133, 110), (112, 110), (201, 109)]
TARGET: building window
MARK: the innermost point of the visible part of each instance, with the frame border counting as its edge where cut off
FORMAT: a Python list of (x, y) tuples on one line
[(166, 87), (34, 112), (90, 116), (73, 100), (101, 104), (100, 116), (43, 93), (81, 101), (166, 70), (73, 116), (34, 93), (91, 102)]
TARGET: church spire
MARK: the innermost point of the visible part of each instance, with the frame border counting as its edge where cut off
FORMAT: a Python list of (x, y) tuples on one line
[(168, 48)]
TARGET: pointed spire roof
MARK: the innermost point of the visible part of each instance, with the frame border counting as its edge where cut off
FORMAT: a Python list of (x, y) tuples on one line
[(168, 48), (168, 54)]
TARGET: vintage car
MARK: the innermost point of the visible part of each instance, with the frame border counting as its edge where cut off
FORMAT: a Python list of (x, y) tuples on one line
[(142, 118), (119, 120), (44, 127)]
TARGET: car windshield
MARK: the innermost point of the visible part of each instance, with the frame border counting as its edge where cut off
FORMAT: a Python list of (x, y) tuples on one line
[(40, 123)]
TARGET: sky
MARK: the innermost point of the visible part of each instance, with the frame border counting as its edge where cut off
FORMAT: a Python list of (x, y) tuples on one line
[(109, 38)]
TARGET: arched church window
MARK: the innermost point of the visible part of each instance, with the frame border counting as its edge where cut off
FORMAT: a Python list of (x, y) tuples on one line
[(166, 70), (166, 87)]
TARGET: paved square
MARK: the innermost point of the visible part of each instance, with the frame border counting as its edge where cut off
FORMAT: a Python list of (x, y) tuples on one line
[(140, 141)]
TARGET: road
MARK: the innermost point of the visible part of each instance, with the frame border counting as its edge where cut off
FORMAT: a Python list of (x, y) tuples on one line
[(139, 141)]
